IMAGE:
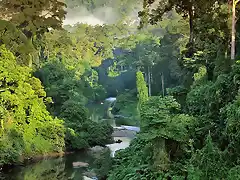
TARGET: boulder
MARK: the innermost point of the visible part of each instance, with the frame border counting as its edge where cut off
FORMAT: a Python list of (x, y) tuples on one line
[(118, 141), (80, 164), (90, 174), (87, 178)]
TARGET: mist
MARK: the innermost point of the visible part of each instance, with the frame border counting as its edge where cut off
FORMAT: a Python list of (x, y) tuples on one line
[(100, 16)]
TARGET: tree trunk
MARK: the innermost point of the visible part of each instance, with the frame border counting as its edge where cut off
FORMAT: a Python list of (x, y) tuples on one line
[(162, 78), (191, 37), (160, 156), (233, 29), (149, 82), (1, 128)]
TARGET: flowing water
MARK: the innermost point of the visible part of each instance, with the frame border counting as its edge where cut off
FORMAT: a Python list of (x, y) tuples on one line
[(61, 168), (117, 146)]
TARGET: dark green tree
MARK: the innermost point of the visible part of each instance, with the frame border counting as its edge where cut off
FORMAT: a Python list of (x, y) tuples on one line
[(33, 17)]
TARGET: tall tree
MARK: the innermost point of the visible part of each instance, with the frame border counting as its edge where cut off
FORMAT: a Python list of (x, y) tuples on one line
[(142, 88), (31, 16), (233, 40), (82, 48), (154, 11), (191, 9)]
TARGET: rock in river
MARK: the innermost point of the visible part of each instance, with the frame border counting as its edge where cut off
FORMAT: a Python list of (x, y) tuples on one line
[(80, 164)]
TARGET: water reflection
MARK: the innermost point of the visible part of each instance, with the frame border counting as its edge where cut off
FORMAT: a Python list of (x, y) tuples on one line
[(51, 169)]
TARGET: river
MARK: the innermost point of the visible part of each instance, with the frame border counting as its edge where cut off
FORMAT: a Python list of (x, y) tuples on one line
[(61, 168)]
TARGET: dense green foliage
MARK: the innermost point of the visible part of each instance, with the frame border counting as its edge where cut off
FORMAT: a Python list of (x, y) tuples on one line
[(174, 76), (132, 163), (126, 108), (162, 141), (33, 17), (199, 139), (26, 126), (34, 44), (103, 163)]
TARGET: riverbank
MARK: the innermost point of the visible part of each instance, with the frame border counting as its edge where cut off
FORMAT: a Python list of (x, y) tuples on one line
[(23, 161), (52, 162)]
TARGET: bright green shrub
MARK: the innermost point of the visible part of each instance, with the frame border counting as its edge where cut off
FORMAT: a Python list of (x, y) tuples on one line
[(26, 126), (141, 88)]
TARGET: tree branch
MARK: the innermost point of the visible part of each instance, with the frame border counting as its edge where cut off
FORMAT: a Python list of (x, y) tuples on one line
[(237, 1)]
